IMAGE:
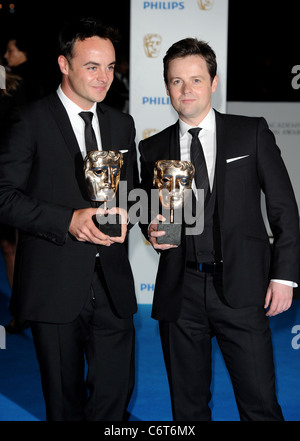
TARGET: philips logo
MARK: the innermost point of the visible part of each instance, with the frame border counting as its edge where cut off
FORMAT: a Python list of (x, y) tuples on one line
[(164, 5), (156, 100), (149, 287)]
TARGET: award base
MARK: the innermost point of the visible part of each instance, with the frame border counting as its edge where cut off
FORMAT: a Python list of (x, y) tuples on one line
[(110, 224), (173, 233)]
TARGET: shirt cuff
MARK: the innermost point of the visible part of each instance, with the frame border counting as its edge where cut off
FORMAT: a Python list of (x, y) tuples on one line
[(285, 282)]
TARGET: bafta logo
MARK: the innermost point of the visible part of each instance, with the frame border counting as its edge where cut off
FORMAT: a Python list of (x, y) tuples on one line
[(152, 44), (149, 132), (205, 5)]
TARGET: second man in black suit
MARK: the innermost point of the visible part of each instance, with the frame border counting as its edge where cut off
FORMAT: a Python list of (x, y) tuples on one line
[(219, 283)]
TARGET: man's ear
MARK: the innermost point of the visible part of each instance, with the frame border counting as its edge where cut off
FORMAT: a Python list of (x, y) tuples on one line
[(214, 84), (63, 64), (167, 90)]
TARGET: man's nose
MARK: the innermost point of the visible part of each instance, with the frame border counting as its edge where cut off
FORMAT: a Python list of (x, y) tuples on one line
[(186, 87), (102, 75)]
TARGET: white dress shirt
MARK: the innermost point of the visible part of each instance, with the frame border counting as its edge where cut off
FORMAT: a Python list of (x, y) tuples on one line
[(77, 122), (207, 138)]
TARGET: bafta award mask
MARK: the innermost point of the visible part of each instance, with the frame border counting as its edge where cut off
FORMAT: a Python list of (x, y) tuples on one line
[(102, 171), (172, 178)]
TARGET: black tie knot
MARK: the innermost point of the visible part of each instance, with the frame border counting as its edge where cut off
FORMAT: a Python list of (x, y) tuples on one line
[(87, 117), (195, 131)]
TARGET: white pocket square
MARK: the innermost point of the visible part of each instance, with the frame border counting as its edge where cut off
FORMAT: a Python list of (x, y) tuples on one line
[(236, 159), (123, 151)]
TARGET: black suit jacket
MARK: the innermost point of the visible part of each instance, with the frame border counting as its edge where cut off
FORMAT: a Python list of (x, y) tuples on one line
[(41, 183), (249, 261)]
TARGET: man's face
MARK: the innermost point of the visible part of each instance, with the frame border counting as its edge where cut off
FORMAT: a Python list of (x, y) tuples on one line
[(190, 88), (89, 74), (172, 179), (13, 55)]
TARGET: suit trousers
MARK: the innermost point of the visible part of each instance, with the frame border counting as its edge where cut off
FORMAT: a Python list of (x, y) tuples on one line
[(244, 338), (87, 366)]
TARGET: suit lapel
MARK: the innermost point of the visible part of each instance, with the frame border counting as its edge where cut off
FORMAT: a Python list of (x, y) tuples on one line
[(104, 123), (174, 145), (61, 117), (222, 143)]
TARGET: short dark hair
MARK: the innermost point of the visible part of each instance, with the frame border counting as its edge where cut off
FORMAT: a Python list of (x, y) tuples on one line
[(191, 46), (22, 42), (82, 29)]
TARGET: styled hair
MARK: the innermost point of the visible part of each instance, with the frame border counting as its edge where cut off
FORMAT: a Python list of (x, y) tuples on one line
[(191, 46), (92, 157), (82, 29), (182, 165)]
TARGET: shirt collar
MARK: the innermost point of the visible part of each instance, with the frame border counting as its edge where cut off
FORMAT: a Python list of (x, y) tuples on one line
[(70, 106), (208, 123)]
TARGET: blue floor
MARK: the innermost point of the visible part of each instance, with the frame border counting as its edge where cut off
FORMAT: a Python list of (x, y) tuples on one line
[(20, 391)]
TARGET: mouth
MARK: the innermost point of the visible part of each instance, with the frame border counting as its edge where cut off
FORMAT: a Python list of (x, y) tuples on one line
[(188, 100), (99, 88)]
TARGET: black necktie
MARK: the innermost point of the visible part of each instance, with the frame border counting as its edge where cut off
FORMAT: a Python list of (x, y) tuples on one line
[(198, 160), (89, 134)]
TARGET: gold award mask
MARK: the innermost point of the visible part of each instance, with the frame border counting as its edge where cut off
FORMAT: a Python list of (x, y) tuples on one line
[(102, 171), (172, 178)]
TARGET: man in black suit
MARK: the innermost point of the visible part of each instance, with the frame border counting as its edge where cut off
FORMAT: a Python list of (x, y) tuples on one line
[(72, 282), (221, 282)]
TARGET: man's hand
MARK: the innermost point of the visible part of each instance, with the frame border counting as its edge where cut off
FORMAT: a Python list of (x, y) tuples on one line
[(82, 226), (153, 234), (278, 298)]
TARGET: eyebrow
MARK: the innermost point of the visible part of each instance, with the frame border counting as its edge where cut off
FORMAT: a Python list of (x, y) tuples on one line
[(94, 63), (180, 78)]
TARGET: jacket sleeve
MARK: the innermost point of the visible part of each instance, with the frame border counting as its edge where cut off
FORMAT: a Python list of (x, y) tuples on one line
[(281, 206), (18, 165)]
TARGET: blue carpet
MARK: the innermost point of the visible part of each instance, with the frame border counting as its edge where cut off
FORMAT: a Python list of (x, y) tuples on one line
[(21, 396)]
